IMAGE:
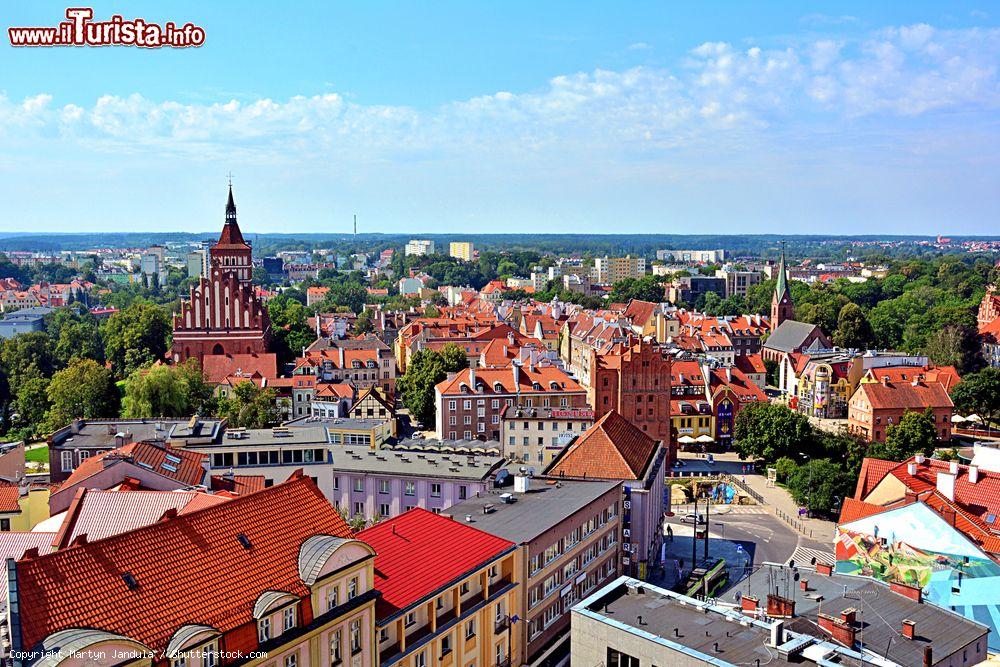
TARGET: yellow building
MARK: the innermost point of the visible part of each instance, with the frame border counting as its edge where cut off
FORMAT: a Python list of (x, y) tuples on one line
[(461, 250), (22, 508)]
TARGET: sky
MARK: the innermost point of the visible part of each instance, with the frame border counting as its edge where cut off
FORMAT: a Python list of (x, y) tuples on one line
[(487, 116)]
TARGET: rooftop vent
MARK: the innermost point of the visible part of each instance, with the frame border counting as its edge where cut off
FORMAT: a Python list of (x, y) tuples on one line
[(244, 541), (130, 581)]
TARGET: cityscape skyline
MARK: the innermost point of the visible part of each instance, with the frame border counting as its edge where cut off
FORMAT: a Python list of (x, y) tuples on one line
[(874, 120)]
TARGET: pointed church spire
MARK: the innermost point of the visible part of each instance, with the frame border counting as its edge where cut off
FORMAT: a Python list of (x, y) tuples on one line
[(781, 302), (231, 234), (782, 272), (230, 206)]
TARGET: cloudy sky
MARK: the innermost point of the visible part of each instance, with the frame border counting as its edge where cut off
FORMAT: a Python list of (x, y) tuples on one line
[(594, 117)]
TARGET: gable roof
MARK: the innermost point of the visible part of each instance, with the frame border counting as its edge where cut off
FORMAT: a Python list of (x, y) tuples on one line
[(906, 395), (790, 336), (613, 448), (872, 472), (191, 566), (153, 457), (419, 552)]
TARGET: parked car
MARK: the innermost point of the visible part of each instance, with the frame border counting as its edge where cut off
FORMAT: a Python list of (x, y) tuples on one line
[(691, 517)]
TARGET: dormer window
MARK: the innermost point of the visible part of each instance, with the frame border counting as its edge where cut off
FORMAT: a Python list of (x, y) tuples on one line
[(289, 619), (352, 588), (498, 387), (264, 629)]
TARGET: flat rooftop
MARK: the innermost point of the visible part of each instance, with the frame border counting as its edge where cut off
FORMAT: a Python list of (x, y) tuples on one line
[(713, 633), (251, 437), (546, 504), (880, 610), (362, 459), (342, 424)]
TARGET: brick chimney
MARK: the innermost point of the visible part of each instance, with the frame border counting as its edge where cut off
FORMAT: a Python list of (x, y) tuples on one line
[(804, 584), (849, 615), (909, 628), (906, 590), (824, 569), (842, 632), (749, 604), (780, 607)]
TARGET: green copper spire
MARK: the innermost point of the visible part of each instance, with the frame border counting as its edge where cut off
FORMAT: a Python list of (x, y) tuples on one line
[(782, 285)]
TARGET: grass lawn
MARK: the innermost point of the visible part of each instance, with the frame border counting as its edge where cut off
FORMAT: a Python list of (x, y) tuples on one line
[(38, 454)]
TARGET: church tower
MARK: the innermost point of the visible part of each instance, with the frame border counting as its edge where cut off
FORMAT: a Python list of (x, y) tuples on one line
[(781, 302), (232, 254)]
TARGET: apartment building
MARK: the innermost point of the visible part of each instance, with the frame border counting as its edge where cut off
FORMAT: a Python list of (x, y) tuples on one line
[(609, 270), (461, 250), (419, 247), (536, 435), (447, 593), (470, 404), (568, 541)]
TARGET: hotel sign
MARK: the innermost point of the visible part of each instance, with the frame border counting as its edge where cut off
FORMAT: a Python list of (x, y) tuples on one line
[(572, 414)]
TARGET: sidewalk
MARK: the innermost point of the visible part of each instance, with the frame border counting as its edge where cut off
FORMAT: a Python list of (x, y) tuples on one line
[(781, 504)]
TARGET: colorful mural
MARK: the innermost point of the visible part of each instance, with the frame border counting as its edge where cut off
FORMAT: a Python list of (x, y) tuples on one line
[(913, 544)]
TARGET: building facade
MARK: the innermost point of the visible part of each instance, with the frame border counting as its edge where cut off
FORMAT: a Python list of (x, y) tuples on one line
[(536, 435)]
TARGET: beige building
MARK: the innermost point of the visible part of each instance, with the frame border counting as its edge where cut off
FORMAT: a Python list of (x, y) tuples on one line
[(609, 270), (419, 247), (461, 250), (535, 435)]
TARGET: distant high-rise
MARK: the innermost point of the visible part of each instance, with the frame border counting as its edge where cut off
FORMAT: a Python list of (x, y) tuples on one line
[(461, 250), (419, 247)]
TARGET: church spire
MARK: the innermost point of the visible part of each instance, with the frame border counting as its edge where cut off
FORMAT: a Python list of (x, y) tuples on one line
[(781, 302), (230, 206), (231, 234)]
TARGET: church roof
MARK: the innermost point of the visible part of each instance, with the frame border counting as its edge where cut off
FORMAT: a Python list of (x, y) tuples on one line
[(231, 235)]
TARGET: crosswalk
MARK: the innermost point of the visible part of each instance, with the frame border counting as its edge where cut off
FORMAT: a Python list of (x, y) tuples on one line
[(720, 510), (805, 556)]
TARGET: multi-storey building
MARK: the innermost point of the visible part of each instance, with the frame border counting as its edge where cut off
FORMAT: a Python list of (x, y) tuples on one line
[(635, 383), (739, 282), (470, 404), (568, 538), (447, 593), (385, 483), (275, 577), (876, 406), (609, 270), (692, 256), (419, 247), (614, 449), (362, 368), (536, 435), (461, 250)]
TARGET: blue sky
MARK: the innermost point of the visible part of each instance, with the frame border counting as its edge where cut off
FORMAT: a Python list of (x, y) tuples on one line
[(592, 117)]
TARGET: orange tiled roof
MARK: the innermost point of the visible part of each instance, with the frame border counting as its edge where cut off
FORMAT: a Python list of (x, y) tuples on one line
[(549, 378), (191, 568), (872, 472), (9, 496), (613, 448), (153, 457), (852, 510), (906, 395)]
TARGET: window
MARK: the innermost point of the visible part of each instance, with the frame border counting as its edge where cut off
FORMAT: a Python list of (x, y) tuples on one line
[(352, 588), (420, 660), (332, 595), (435, 490), (383, 486), (383, 635), (383, 510), (464, 588), (289, 616), (463, 492), (210, 655), (410, 620), (264, 629), (292, 660), (470, 629), (619, 659), (359, 509), (335, 642), (355, 637), (66, 460), (179, 661), (4, 525), (445, 645), (359, 485), (410, 489)]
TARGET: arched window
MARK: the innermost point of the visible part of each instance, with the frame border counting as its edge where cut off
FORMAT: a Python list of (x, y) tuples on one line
[(218, 349)]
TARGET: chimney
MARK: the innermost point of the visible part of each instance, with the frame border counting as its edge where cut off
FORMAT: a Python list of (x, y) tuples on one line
[(777, 634), (885, 380), (472, 378), (804, 585), (824, 569), (928, 656), (953, 467), (946, 485), (749, 604), (843, 633), (849, 615), (341, 350), (919, 458), (780, 607), (906, 590), (911, 468), (973, 474), (909, 628)]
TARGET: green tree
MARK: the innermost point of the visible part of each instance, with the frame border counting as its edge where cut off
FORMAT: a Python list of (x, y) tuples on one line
[(249, 406), (914, 434), (769, 431), (820, 485), (79, 339), (956, 345), (165, 391), (32, 404), (290, 327), (25, 356), (136, 336), (979, 393), (82, 389), (426, 369), (784, 467), (853, 330), (454, 358), (364, 324), (646, 288)]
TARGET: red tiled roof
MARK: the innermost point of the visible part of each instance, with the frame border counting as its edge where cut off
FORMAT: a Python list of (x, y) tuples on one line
[(420, 552), (751, 363), (218, 367), (613, 448), (150, 456), (188, 569), (852, 510), (905, 395), (639, 312), (872, 472), (238, 484), (947, 375), (485, 378), (9, 496)]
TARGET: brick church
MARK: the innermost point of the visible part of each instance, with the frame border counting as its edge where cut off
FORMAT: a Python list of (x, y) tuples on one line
[(223, 316)]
